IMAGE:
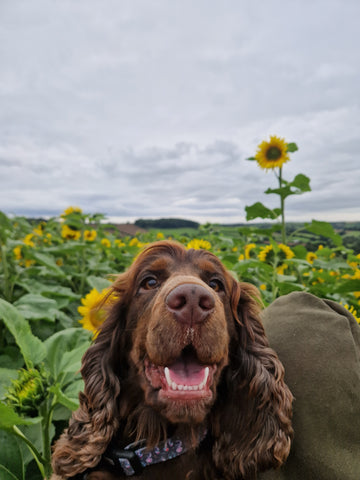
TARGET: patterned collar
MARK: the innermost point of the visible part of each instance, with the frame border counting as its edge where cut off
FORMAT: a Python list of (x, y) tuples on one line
[(135, 457)]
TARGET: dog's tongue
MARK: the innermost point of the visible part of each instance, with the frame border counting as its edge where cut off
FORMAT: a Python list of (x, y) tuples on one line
[(187, 372)]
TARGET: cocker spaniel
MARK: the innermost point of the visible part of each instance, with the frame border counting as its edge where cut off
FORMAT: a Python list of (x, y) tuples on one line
[(181, 382)]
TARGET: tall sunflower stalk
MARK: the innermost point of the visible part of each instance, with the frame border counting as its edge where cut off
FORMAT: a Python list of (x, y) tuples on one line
[(271, 155)]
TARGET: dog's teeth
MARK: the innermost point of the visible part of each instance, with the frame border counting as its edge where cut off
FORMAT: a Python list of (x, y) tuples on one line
[(167, 376), (175, 386)]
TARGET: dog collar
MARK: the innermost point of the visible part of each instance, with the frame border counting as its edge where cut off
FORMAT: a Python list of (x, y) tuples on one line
[(135, 457), (132, 459)]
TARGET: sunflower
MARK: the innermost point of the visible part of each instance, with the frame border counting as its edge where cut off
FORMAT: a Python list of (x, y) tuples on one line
[(70, 233), (105, 242), (197, 244), (353, 312), (17, 253), (92, 309), (90, 235), (28, 391), (28, 240), (267, 253), (70, 210), (272, 154), (248, 248), (311, 256)]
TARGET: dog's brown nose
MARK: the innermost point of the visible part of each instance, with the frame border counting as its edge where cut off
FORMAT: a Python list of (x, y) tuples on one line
[(190, 303)]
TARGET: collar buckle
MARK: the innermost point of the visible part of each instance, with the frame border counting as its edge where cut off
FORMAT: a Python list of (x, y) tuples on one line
[(125, 460)]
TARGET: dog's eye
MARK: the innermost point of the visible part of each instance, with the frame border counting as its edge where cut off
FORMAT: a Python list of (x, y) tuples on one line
[(216, 285), (149, 283)]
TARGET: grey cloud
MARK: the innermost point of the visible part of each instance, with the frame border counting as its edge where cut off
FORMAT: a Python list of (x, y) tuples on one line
[(139, 109)]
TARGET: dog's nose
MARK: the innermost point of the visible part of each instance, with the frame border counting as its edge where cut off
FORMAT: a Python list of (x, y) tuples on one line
[(190, 303)]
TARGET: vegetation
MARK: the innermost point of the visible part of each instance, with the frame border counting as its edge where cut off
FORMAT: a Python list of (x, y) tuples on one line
[(166, 223), (54, 274)]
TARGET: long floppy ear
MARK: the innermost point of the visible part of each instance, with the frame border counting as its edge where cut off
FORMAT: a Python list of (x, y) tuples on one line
[(255, 418), (96, 421)]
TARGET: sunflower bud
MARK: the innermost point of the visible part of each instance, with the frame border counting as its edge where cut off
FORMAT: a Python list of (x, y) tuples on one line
[(27, 392)]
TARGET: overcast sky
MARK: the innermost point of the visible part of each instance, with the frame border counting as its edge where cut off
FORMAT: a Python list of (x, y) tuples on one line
[(149, 108)]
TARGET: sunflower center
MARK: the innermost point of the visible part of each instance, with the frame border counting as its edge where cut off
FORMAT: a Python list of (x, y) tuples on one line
[(273, 154)]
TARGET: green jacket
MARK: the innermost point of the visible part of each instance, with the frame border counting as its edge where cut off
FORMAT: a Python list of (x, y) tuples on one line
[(318, 341)]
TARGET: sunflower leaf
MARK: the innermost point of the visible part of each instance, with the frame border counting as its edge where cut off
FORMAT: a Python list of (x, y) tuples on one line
[(31, 347), (64, 350), (258, 210), (324, 229), (292, 147)]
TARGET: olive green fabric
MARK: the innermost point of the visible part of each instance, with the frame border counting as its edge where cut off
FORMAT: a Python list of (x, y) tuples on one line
[(318, 341)]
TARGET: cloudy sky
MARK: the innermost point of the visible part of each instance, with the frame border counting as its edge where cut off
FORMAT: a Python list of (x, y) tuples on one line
[(149, 108)]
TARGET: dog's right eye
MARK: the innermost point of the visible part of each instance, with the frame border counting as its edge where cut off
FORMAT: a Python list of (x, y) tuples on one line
[(149, 283)]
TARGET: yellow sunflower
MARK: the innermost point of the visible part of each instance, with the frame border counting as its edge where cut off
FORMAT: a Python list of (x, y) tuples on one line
[(70, 210), (311, 256), (28, 240), (92, 310), (272, 154), (199, 244), (17, 253), (119, 243), (267, 253), (69, 233), (248, 248), (286, 251), (90, 235), (353, 312), (105, 242)]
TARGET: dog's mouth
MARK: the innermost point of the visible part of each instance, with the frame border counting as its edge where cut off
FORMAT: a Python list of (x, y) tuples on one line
[(184, 379)]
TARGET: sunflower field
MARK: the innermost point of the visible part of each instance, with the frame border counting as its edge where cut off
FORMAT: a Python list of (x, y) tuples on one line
[(54, 274)]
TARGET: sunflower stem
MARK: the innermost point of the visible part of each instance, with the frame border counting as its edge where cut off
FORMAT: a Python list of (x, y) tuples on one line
[(35, 453), (282, 207)]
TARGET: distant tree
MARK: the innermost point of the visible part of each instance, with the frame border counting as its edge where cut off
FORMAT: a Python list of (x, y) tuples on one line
[(165, 223)]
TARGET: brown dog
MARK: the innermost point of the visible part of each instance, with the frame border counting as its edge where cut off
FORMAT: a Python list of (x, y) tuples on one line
[(181, 363)]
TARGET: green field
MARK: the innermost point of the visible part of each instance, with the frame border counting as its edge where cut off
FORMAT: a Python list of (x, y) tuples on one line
[(53, 274)]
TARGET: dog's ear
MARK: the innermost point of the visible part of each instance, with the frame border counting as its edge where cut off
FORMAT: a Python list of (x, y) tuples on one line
[(94, 424), (255, 421)]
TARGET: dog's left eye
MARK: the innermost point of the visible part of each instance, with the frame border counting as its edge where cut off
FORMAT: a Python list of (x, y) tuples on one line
[(149, 283), (216, 285)]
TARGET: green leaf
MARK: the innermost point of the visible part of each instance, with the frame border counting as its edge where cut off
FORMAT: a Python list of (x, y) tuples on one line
[(258, 210), (348, 286), (251, 159), (47, 261), (292, 147), (9, 418), (35, 287), (98, 283), (31, 347), (301, 183), (36, 307), (6, 375), (11, 460), (65, 349), (71, 404), (324, 229)]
